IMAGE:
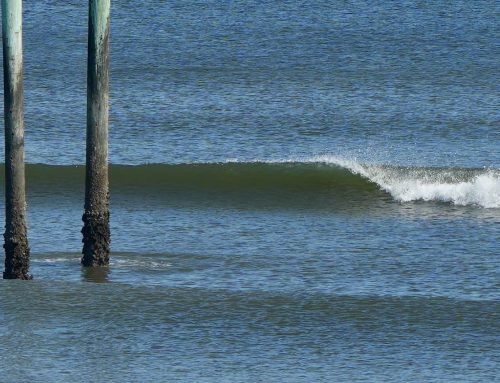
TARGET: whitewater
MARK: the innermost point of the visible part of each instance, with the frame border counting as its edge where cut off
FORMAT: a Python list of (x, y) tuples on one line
[(480, 187), (459, 186)]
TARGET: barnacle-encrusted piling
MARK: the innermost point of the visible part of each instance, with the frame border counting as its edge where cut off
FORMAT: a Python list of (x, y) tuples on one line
[(16, 239), (96, 233)]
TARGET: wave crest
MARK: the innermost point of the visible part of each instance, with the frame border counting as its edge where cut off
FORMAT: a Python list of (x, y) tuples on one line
[(480, 187), (315, 180)]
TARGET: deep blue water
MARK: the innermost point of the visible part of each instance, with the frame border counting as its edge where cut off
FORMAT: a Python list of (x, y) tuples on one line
[(407, 82)]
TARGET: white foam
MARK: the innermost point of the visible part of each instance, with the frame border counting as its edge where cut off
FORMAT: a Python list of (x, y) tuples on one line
[(414, 184), (481, 189), (56, 259), (140, 263)]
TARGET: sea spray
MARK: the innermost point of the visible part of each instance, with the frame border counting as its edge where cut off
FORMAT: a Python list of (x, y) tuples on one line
[(458, 186)]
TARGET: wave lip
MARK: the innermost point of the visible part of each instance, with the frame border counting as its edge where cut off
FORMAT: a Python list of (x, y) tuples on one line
[(479, 187)]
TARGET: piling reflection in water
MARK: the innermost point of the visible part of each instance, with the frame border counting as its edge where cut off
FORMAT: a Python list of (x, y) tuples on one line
[(99, 274)]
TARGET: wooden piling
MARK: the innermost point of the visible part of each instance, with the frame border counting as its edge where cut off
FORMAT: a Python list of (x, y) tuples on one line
[(16, 241), (96, 233)]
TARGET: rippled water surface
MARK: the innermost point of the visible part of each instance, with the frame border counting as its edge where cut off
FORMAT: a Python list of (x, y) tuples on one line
[(300, 192)]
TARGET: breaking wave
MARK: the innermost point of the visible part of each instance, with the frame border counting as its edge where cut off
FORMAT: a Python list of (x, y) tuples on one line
[(321, 175), (479, 187)]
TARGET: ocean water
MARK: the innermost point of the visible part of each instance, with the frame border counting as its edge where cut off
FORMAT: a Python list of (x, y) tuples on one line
[(300, 192)]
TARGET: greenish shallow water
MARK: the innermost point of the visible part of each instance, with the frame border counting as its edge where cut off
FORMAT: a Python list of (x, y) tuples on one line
[(299, 193)]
